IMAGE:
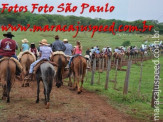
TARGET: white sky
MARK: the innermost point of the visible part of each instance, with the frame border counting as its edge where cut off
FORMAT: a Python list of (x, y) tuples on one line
[(128, 10)]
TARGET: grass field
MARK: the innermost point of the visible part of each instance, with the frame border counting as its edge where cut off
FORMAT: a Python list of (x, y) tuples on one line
[(135, 104), (100, 39)]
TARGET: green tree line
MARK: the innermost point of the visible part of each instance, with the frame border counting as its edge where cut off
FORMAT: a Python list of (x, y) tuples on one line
[(53, 19)]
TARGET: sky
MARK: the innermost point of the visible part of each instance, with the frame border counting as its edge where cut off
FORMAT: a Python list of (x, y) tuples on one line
[(128, 10)]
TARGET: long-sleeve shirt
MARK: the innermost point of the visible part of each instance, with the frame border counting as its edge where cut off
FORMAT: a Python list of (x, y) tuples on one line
[(58, 46)]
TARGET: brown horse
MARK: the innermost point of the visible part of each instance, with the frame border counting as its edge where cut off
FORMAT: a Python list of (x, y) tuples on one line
[(26, 60), (107, 56), (119, 57), (7, 76), (61, 62), (78, 69)]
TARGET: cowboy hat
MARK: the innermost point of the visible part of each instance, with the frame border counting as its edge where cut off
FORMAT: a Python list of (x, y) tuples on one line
[(25, 41), (44, 42), (56, 37), (65, 40), (8, 34)]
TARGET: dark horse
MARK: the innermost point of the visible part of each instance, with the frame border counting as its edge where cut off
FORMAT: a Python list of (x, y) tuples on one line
[(61, 62), (46, 73), (7, 76)]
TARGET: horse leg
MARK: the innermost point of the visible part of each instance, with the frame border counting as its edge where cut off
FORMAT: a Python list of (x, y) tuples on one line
[(78, 80), (8, 92), (70, 82), (45, 95), (4, 95), (38, 90), (22, 76), (48, 95), (74, 87), (82, 80)]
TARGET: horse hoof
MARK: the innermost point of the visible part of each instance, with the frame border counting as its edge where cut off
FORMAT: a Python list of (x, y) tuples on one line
[(37, 101), (27, 85), (79, 92), (3, 98), (70, 85), (47, 105)]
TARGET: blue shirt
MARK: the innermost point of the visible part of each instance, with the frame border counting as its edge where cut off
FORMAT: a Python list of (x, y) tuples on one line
[(58, 46), (69, 49), (45, 52), (25, 47)]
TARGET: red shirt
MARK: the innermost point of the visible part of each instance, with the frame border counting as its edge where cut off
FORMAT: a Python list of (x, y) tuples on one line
[(8, 47)]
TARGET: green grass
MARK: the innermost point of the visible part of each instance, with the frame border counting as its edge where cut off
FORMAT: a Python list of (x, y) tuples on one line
[(100, 39), (135, 104)]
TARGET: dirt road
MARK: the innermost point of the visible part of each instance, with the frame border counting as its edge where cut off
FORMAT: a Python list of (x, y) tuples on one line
[(65, 105)]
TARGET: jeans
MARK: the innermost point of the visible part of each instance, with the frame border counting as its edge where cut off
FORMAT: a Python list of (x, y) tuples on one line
[(14, 56), (72, 59), (34, 64)]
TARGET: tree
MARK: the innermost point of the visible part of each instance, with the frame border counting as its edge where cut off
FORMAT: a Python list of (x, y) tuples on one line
[(126, 43)]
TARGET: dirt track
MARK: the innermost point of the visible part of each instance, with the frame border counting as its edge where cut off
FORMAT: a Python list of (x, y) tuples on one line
[(65, 105)]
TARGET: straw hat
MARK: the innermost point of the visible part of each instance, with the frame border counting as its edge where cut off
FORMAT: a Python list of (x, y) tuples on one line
[(44, 42), (25, 41), (65, 40)]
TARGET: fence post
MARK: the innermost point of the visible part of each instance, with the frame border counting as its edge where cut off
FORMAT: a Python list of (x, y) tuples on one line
[(102, 64), (155, 89), (141, 68), (93, 71), (125, 90), (99, 71), (99, 67), (107, 75), (115, 80)]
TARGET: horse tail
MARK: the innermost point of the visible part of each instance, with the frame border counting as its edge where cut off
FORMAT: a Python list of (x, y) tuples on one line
[(28, 63), (8, 77), (49, 75), (59, 71)]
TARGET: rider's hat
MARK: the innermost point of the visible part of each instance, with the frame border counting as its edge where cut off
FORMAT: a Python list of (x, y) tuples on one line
[(8, 34), (44, 42)]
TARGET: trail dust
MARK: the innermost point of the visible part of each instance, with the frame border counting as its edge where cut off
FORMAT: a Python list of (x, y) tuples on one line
[(65, 106)]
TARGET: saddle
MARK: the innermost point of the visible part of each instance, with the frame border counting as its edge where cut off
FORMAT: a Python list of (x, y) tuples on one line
[(18, 65), (26, 52), (37, 66), (58, 52)]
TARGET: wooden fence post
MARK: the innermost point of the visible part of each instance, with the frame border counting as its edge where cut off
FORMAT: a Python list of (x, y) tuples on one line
[(155, 89), (99, 67), (141, 68), (115, 79), (107, 75), (102, 64), (93, 71), (99, 71), (125, 90)]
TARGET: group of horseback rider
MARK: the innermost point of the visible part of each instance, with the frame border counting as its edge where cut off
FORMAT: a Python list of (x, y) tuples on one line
[(8, 48)]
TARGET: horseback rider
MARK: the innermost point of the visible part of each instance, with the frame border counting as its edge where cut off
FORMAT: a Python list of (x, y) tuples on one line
[(34, 50), (68, 46), (58, 45), (77, 51), (25, 45), (45, 53), (8, 46)]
